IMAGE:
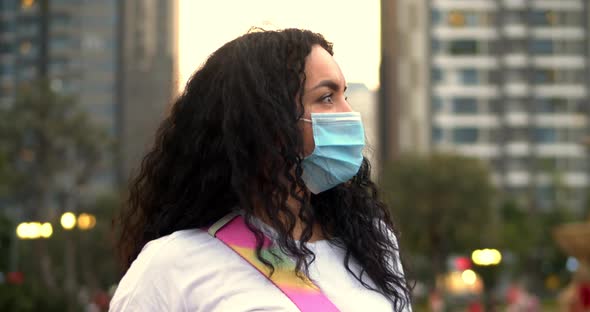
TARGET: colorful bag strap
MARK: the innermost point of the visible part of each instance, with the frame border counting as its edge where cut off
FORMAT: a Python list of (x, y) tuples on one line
[(307, 296)]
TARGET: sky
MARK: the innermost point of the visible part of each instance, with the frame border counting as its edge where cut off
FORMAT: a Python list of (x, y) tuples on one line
[(352, 25)]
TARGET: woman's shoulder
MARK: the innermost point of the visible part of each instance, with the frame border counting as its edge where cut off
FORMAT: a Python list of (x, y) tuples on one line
[(170, 268), (170, 251)]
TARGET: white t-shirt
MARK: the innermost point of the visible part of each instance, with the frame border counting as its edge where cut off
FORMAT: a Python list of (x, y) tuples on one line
[(190, 270)]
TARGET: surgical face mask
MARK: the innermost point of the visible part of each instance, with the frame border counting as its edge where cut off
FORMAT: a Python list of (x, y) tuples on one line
[(339, 141)]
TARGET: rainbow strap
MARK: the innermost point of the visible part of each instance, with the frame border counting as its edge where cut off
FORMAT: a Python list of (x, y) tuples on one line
[(233, 232)]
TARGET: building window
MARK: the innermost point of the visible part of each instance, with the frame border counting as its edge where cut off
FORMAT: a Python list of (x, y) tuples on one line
[(437, 135), (472, 19), (495, 106), (437, 104), (435, 46), (547, 163), (463, 47), (28, 30), (515, 45), (465, 105), (26, 4), (579, 106), (542, 46), (435, 17), (571, 18), (543, 18), (545, 196), (437, 75), (544, 75), (569, 47), (517, 164), (577, 164), (25, 48), (469, 76), (6, 25), (545, 135), (513, 17), (551, 105), (6, 69), (518, 134), (5, 48), (456, 19), (465, 135)]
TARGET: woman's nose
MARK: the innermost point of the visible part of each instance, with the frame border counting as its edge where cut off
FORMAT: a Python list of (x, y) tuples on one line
[(344, 107)]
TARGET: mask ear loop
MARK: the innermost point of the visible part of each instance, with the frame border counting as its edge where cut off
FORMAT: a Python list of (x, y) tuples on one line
[(305, 119)]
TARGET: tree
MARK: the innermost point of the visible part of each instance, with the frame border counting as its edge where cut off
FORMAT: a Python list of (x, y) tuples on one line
[(53, 150), (526, 232), (442, 203)]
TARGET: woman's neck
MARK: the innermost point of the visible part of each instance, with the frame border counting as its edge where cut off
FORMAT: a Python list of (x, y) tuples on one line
[(294, 205)]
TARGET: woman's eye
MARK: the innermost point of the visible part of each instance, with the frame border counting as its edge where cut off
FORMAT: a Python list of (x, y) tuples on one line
[(327, 99)]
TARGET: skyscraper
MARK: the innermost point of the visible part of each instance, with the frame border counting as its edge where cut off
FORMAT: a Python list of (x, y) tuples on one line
[(116, 58), (506, 81), (148, 74), (72, 44)]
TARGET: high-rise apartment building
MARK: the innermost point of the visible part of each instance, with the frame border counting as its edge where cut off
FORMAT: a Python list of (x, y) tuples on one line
[(116, 58), (73, 45), (506, 81)]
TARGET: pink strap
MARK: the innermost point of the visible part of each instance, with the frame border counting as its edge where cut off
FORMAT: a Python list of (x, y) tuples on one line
[(307, 296)]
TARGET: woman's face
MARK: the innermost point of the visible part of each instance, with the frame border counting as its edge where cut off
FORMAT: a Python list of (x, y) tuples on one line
[(323, 91)]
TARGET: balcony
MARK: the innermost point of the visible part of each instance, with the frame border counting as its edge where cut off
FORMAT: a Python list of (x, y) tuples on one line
[(560, 61), (517, 178), (517, 149), (561, 90), (561, 5), (558, 33), (477, 33), (478, 150), (517, 119), (458, 90), (517, 89), (481, 62), (514, 4), (556, 120), (516, 60), (476, 5), (477, 121), (571, 179), (515, 30), (560, 150)]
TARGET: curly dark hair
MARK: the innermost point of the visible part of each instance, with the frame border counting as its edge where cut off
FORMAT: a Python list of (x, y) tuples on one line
[(234, 133)]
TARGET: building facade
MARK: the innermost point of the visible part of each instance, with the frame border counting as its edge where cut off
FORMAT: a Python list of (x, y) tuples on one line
[(364, 101), (73, 45), (506, 81), (116, 58), (148, 74)]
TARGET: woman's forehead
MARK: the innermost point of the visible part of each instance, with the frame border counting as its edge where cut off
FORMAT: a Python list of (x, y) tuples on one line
[(320, 66)]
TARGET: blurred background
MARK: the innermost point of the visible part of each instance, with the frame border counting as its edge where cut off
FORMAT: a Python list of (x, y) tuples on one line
[(476, 112)]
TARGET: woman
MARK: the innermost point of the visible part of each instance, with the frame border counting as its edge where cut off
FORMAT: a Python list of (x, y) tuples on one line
[(263, 133)]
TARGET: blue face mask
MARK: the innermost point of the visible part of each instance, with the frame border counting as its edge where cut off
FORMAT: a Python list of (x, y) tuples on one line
[(339, 140)]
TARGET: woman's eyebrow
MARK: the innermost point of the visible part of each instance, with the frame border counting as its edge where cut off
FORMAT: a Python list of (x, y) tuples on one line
[(328, 83)]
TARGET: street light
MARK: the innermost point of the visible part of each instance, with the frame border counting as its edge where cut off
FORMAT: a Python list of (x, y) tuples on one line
[(46, 230), (86, 221), (486, 257), (68, 220), (469, 277), (34, 230)]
